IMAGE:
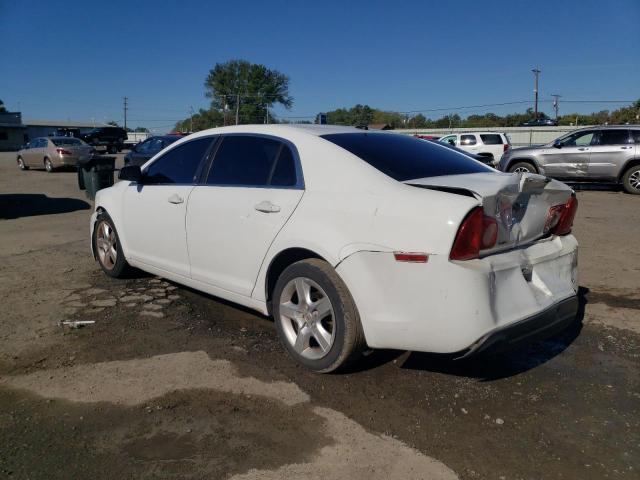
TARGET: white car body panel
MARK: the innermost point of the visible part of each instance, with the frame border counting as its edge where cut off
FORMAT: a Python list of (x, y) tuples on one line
[(354, 217)]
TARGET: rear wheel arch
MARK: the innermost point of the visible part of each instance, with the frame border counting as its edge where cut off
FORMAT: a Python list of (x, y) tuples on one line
[(279, 264), (529, 161), (631, 163)]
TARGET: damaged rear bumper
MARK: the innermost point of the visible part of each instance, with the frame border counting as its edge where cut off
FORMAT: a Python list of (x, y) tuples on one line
[(537, 327)]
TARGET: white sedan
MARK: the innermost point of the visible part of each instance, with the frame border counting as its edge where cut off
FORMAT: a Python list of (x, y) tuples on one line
[(351, 239)]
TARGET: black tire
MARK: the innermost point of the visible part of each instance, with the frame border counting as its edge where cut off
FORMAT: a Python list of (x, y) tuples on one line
[(21, 164), (48, 166), (120, 268), (521, 167), (348, 340), (631, 180)]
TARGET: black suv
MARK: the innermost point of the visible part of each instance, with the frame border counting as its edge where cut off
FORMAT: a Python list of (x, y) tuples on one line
[(110, 137), (540, 122)]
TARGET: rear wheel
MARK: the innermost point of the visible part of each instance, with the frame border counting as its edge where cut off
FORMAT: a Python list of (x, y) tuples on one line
[(21, 164), (106, 245), (631, 180), (522, 167), (48, 166), (316, 318)]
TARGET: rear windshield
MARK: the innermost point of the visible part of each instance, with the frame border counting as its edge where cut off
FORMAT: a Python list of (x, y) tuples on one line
[(404, 157), (491, 139), (66, 141)]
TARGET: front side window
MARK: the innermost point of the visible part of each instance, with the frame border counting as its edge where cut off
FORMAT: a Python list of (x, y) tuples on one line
[(613, 137), (467, 140), (244, 160), (579, 139), (180, 164), (451, 140), (403, 157)]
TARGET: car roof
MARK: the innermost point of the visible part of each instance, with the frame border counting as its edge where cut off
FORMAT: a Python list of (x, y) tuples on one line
[(312, 129), (607, 127)]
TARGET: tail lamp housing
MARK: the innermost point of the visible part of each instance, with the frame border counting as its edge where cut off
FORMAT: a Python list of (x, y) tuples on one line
[(560, 217), (477, 232)]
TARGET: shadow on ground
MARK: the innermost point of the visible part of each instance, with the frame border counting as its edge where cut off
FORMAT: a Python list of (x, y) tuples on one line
[(17, 205)]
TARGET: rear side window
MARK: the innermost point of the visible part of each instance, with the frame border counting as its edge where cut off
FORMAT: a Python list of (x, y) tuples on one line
[(66, 141), (403, 157), (613, 137), (180, 164), (636, 135), (467, 140), (491, 139), (245, 160)]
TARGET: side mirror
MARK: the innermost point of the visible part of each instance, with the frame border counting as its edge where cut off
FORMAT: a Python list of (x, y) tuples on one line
[(557, 144), (131, 173)]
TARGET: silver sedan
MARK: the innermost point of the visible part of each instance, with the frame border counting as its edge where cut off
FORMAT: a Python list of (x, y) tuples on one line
[(53, 152)]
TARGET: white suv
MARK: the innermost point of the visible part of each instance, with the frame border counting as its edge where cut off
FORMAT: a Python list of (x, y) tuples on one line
[(484, 144)]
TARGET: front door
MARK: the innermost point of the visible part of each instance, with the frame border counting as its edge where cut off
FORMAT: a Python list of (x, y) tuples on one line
[(612, 149), (252, 188), (154, 211), (571, 159)]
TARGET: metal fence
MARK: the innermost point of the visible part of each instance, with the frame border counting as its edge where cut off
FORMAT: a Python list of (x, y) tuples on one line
[(519, 136)]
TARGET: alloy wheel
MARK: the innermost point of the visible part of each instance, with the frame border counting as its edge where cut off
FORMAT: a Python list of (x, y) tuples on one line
[(522, 170), (307, 318), (48, 165), (634, 179), (106, 244), (21, 164)]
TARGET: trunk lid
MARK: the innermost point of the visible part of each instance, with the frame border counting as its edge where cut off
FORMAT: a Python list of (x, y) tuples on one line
[(520, 203)]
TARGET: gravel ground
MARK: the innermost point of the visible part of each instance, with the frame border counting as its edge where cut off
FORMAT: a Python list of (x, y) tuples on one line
[(170, 383)]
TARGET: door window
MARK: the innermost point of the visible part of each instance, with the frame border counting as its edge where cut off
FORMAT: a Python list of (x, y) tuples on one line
[(636, 135), (466, 140), (180, 164), (491, 139), (244, 160), (614, 137), (579, 139), (155, 145), (42, 143), (451, 140), (143, 147)]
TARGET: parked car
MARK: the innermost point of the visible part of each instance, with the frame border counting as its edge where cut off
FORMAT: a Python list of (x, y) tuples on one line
[(143, 151), (112, 138), (427, 137), (540, 122), (349, 238), (51, 153), (603, 154), (488, 145)]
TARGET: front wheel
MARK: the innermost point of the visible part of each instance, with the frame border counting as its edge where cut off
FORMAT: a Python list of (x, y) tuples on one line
[(631, 180), (522, 167), (316, 318), (106, 245)]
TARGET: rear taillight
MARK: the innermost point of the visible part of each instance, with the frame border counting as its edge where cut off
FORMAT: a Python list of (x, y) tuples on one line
[(505, 147), (62, 151), (477, 232), (560, 217)]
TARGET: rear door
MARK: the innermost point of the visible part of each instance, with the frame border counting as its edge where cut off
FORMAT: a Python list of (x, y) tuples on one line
[(154, 211), (469, 142), (571, 159), (611, 150), (493, 144), (252, 187)]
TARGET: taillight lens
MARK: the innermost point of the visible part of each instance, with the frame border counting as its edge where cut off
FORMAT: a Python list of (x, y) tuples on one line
[(62, 151), (560, 218), (477, 232), (505, 147)]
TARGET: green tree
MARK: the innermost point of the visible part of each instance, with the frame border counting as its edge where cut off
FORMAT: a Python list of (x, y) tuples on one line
[(250, 88), (201, 120)]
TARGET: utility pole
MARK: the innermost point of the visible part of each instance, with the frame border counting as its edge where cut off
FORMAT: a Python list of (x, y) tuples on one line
[(536, 72), (237, 107), (191, 118), (556, 104), (126, 107)]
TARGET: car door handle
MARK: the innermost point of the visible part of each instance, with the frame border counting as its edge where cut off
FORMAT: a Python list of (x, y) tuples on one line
[(583, 149), (267, 207), (175, 199), (625, 148)]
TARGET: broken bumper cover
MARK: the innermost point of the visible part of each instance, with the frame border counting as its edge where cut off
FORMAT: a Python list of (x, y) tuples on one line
[(537, 327)]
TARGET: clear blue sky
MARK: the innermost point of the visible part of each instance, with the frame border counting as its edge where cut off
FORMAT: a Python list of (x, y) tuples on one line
[(77, 59)]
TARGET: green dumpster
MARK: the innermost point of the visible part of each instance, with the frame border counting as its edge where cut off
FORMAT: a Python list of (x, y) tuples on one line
[(96, 174)]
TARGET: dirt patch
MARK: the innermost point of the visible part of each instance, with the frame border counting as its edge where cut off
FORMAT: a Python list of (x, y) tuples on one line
[(188, 435)]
